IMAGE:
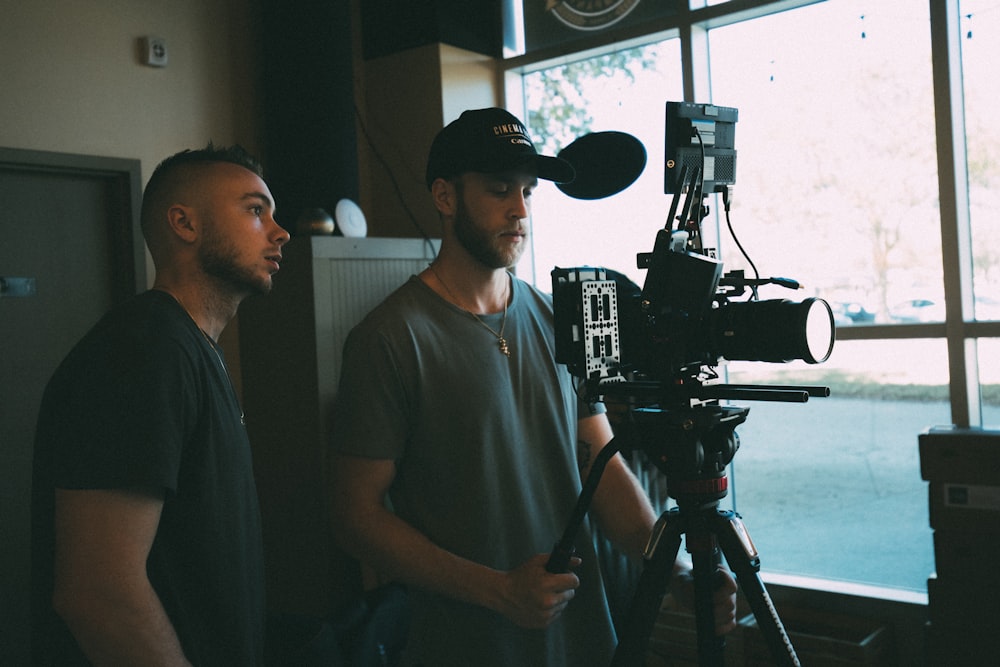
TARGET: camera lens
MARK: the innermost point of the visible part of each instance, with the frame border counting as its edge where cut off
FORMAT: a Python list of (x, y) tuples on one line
[(777, 330)]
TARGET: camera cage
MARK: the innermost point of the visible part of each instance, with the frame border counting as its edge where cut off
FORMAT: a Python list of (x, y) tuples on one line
[(662, 342)]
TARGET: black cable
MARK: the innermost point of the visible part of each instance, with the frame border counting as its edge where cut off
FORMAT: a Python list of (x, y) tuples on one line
[(729, 223), (392, 177)]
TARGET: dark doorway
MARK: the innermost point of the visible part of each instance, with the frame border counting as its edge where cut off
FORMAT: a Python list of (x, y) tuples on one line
[(69, 224)]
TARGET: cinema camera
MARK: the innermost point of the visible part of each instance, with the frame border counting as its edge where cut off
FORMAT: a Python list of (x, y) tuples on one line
[(687, 317), (654, 350)]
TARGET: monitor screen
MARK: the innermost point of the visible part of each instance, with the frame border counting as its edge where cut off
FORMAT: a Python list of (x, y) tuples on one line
[(700, 138)]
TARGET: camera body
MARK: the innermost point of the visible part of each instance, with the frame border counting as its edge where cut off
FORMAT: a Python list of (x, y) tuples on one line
[(608, 330), (682, 322)]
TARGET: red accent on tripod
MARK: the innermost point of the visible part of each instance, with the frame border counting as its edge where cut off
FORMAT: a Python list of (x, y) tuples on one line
[(701, 487)]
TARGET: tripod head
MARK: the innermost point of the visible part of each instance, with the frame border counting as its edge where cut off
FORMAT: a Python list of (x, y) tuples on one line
[(690, 440), (685, 432), (691, 447)]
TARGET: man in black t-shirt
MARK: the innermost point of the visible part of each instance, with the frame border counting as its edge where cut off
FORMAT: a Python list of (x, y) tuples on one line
[(146, 529)]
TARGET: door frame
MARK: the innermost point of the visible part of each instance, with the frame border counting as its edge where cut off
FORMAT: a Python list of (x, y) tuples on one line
[(123, 178), (119, 179)]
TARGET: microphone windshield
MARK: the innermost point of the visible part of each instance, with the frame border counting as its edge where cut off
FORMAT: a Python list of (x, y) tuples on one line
[(605, 162)]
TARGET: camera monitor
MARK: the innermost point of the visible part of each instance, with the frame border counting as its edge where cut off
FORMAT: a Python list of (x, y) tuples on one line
[(700, 142)]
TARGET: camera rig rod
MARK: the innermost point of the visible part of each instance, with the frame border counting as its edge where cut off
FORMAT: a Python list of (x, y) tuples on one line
[(680, 393)]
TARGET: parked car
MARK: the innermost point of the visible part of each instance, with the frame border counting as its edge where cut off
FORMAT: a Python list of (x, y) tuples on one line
[(917, 310), (846, 313), (987, 309)]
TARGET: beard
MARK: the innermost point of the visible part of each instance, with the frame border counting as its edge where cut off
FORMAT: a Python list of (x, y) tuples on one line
[(483, 247), (220, 260)]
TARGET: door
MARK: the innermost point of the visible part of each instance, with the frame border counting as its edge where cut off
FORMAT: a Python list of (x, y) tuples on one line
[(69, 250)]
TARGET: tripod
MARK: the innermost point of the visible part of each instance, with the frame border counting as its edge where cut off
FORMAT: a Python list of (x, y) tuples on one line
[(700, 442)]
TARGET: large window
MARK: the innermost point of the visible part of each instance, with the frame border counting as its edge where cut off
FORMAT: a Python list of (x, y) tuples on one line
[(838, 187), (980, 45), (836, 153), (624, 91)]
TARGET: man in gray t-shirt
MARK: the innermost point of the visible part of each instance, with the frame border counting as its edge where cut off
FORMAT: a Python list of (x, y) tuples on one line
[(452, 405)]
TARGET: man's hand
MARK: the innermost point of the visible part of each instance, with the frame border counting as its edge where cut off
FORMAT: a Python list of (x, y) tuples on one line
[(533, 597), (724, 596)]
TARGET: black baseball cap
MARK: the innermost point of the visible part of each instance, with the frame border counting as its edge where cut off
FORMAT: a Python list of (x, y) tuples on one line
[(489, 141)]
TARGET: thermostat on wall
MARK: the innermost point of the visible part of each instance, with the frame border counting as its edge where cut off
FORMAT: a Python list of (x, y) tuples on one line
[(154, 51)]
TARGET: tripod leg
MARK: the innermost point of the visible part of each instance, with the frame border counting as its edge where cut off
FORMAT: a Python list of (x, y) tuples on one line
[(705, 559), (744, 562), (661, 553)]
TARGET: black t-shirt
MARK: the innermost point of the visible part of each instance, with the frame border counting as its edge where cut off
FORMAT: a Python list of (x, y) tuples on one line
[(144, 401)]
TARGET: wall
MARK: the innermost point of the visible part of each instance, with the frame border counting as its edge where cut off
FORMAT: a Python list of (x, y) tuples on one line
[(406, 97), (72, 80), (416, 68)]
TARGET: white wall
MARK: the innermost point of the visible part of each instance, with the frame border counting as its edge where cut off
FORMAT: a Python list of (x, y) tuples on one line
[(71, 80)]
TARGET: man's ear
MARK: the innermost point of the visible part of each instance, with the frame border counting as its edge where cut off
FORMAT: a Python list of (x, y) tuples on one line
[(182, 222), (444, 196)]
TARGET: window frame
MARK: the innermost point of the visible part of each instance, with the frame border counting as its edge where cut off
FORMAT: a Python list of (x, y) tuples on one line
[(960, 331)]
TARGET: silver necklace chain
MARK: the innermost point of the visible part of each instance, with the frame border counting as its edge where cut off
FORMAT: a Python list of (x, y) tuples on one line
[(218, 355), (501, 341), (225, 369)]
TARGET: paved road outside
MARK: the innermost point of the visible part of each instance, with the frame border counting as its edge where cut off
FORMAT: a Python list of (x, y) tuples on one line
[(844, 501)]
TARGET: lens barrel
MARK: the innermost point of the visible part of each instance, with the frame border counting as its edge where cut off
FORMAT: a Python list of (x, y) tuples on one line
[(777, 330)]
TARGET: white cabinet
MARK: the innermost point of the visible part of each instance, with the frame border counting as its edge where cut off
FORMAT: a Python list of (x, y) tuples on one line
[(291, 343)]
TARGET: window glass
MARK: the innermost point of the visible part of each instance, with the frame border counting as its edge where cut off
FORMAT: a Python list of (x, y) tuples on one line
[(831, 488), (837, 188), (989, 380), (625, 92), (980, 40), (836, 180)]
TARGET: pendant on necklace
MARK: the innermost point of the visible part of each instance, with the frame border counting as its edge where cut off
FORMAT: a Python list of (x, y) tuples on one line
[(502, 343)]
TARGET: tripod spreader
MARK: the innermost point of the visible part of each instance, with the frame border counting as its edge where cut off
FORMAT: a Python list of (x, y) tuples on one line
[(707, 530)]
